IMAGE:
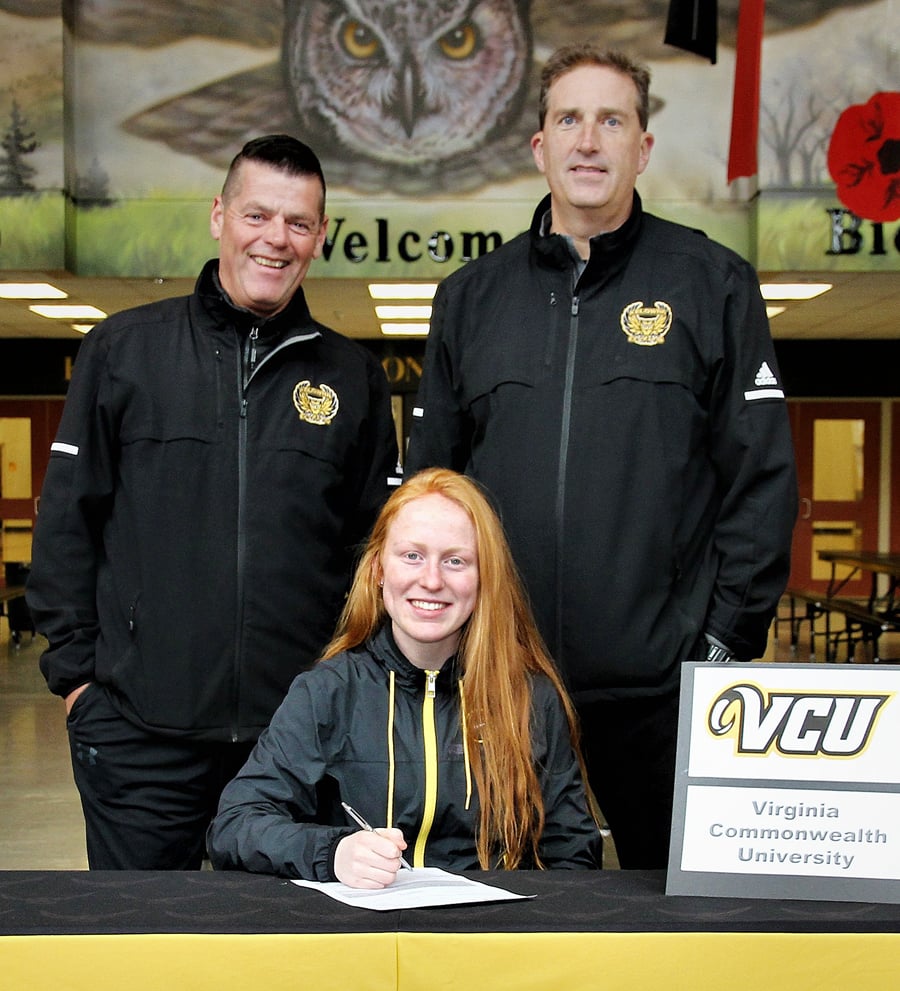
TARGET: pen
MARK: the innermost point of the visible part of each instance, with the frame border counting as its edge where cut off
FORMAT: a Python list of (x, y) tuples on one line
[(358, 819)]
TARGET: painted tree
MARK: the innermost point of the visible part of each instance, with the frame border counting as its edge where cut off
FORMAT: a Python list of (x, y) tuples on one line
[(92, 188), (17, 142)]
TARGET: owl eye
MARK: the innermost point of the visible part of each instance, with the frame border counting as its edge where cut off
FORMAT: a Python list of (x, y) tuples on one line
[(461, 42), (359, 41)]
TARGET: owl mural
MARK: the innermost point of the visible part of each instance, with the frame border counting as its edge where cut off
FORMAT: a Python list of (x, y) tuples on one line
[(410, 97), (406, 82), (406, 96)]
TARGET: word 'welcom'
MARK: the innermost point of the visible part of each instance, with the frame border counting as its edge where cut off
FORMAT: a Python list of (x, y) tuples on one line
[(382, 245), (795, 723)]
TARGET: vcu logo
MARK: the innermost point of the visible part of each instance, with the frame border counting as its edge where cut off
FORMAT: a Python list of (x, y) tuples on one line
[(796, 724)]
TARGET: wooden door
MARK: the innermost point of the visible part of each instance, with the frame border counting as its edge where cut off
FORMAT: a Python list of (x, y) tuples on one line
[(27, 428), (838, 449), (894, 487)]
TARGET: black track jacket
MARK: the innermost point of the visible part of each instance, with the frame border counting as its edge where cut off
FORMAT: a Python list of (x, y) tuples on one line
[(633, 430), (204, 497), (368, 728)]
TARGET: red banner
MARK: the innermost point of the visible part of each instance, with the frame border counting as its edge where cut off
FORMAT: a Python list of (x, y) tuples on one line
[(742, 154)]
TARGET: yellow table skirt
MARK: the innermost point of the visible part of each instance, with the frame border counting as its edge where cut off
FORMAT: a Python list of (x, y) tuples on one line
[(650, 961), (403, 961), (200, 962)]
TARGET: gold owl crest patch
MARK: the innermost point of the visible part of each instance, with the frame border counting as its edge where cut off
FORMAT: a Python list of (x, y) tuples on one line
[(646, 325), (316, 404)]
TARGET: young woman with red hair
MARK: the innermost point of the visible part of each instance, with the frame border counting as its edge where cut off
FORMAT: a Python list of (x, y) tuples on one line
[(435, 712)]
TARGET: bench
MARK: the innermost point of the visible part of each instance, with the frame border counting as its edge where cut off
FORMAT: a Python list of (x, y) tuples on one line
[(9, 596), (861, 625), (812, 610)]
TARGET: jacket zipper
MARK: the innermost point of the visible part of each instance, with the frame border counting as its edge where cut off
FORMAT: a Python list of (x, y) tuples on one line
[(246, 368), (250, 355), (565, 427), (429, 741), (246, 363)]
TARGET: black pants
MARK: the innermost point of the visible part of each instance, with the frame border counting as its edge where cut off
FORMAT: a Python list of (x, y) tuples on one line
[(147, 799), (629, 748)]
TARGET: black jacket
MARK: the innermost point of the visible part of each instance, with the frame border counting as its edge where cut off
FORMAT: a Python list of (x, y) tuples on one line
[(633, 430), (330, 742), (202, 506)]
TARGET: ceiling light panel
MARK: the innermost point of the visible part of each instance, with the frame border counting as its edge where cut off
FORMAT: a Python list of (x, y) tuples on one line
[(405, 329), (794, 290), (65, 311), (402, 290), (30, 290), (403, 312)]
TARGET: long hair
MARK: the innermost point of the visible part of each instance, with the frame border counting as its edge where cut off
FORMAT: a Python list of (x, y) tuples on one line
[(499, 649)]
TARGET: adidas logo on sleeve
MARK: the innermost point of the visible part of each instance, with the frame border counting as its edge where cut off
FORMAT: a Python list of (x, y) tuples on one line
[(765, 385)]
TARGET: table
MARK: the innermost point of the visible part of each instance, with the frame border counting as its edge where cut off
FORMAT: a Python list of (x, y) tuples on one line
[(876, 563), (615, 930), (12, 604), (864, 622)]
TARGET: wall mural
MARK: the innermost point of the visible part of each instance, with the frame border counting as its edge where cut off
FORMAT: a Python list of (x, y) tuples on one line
[(864, 158), (401, 100)]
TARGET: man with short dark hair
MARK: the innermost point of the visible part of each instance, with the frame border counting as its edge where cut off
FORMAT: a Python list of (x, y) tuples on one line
[(611, 379), (219, 458)]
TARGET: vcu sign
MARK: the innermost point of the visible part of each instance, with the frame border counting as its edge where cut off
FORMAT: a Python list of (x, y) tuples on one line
[(795, 724)]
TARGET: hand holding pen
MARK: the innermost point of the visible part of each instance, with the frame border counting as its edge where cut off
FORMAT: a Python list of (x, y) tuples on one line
[(358, 819), (369, 859)]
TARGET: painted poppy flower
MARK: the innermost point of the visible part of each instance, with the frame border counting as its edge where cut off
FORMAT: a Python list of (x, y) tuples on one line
[(864, 158)]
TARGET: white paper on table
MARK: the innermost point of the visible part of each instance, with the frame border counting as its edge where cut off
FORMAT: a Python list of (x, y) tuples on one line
[(422, 887)]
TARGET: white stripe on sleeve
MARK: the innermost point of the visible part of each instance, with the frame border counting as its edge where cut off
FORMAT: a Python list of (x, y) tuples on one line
[(61, 448), (764, 394)]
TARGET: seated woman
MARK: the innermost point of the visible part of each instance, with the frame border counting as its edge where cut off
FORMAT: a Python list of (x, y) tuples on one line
[(435, 710)]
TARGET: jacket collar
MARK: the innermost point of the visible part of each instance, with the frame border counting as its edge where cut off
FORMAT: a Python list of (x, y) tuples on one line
[(555, 249), (386, 652), (218, 305)]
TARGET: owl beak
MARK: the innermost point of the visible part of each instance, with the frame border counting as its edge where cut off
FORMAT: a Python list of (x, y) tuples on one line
[(407, 94)]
